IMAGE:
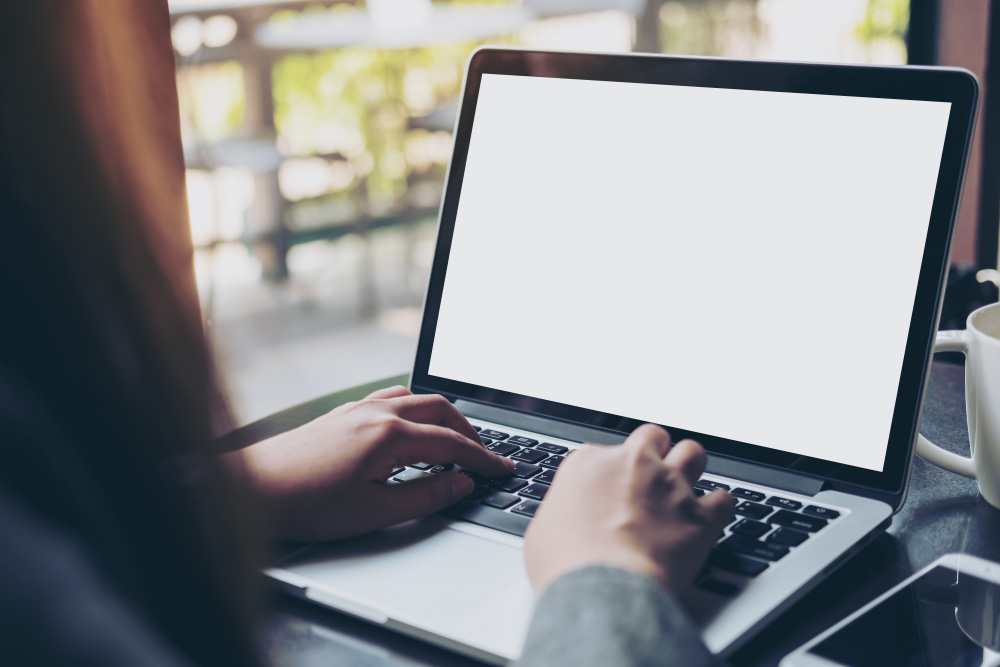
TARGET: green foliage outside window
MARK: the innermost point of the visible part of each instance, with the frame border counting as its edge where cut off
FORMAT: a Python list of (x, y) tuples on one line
[(357, 104), (885, 19)]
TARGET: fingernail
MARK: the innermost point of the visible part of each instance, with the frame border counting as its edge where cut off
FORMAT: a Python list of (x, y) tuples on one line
[(461, 486)]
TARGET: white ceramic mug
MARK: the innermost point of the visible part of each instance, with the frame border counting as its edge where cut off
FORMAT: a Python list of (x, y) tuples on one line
[(980, 342)]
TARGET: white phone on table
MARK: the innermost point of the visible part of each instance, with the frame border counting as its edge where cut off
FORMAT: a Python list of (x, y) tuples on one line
[(946, 614)]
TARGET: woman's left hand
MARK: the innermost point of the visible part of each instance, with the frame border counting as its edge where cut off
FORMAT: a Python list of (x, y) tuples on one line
[(327, 479)]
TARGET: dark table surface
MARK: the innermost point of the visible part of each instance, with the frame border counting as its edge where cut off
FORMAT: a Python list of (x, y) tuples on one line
[(943, 513)]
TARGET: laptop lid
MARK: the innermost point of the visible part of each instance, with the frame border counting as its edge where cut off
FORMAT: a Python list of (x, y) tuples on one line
[(751, 254)]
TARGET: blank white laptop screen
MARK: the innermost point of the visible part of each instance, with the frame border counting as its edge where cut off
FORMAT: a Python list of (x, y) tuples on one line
[(698, 257)]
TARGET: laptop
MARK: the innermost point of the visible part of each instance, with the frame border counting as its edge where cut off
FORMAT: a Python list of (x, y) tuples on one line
[(750, 254)]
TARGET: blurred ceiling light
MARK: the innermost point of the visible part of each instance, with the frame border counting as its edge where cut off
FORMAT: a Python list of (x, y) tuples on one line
[(400, 16), (186, 35), (218, 31)]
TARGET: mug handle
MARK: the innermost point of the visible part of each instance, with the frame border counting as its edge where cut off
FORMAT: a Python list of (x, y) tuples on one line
[(947, 341)]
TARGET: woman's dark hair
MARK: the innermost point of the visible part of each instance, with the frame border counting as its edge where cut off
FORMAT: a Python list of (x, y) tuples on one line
[(106, 384)]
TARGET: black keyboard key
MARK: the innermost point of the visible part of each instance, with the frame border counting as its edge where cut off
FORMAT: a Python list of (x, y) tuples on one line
[(478, 493), (753, 510), (734, 562), (535, 491), (478, 428), (797, 521), (751, 528), (698, 493), (527, 508), (502, 448), (755, 496), (525, 470), (500, 500), (508, 484), (723, 588), (528, 456), (821, 512), (709, 485), (552, 462), (521, 441), (442, 468), (421, 466), (486, 441), (552, 449), (748, 546), (495, 435), (407, 475), (787, 537), (786, 503), (488, 516), (545, 478)]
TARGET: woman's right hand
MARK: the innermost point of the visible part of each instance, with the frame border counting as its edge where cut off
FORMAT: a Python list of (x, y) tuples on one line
[(632, 507)]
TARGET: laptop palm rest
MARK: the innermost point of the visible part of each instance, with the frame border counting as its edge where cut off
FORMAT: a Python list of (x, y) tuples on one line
[(427, 579)]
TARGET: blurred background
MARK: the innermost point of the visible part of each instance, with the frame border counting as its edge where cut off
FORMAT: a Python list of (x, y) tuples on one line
[(317, 135)]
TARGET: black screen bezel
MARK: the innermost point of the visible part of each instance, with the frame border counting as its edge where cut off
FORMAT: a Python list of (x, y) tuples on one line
[(955, 86)]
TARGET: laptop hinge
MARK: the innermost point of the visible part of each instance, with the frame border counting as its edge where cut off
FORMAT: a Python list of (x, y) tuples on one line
[(717, 465), (765, 476), (553, 427)]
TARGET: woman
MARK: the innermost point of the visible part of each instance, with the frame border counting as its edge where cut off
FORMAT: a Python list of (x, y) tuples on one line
[(125, 538)]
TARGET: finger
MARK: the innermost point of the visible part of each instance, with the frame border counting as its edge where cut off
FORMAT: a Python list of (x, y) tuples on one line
[(422, 496), (390, 392), (652, 436), (438, 445), (434, 409), (718, 508), (689, 458)]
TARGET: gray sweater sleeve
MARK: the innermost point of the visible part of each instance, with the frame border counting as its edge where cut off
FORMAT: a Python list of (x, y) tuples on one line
[(604, 616)]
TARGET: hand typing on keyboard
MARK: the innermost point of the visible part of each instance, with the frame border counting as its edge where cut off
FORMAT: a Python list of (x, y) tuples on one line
[(630, 506), (327, 479)]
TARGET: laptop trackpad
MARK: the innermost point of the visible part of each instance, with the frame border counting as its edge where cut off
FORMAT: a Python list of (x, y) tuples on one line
[(429, 577)]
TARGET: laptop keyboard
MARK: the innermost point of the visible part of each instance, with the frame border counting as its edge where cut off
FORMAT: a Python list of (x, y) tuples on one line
[(768, 526)]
